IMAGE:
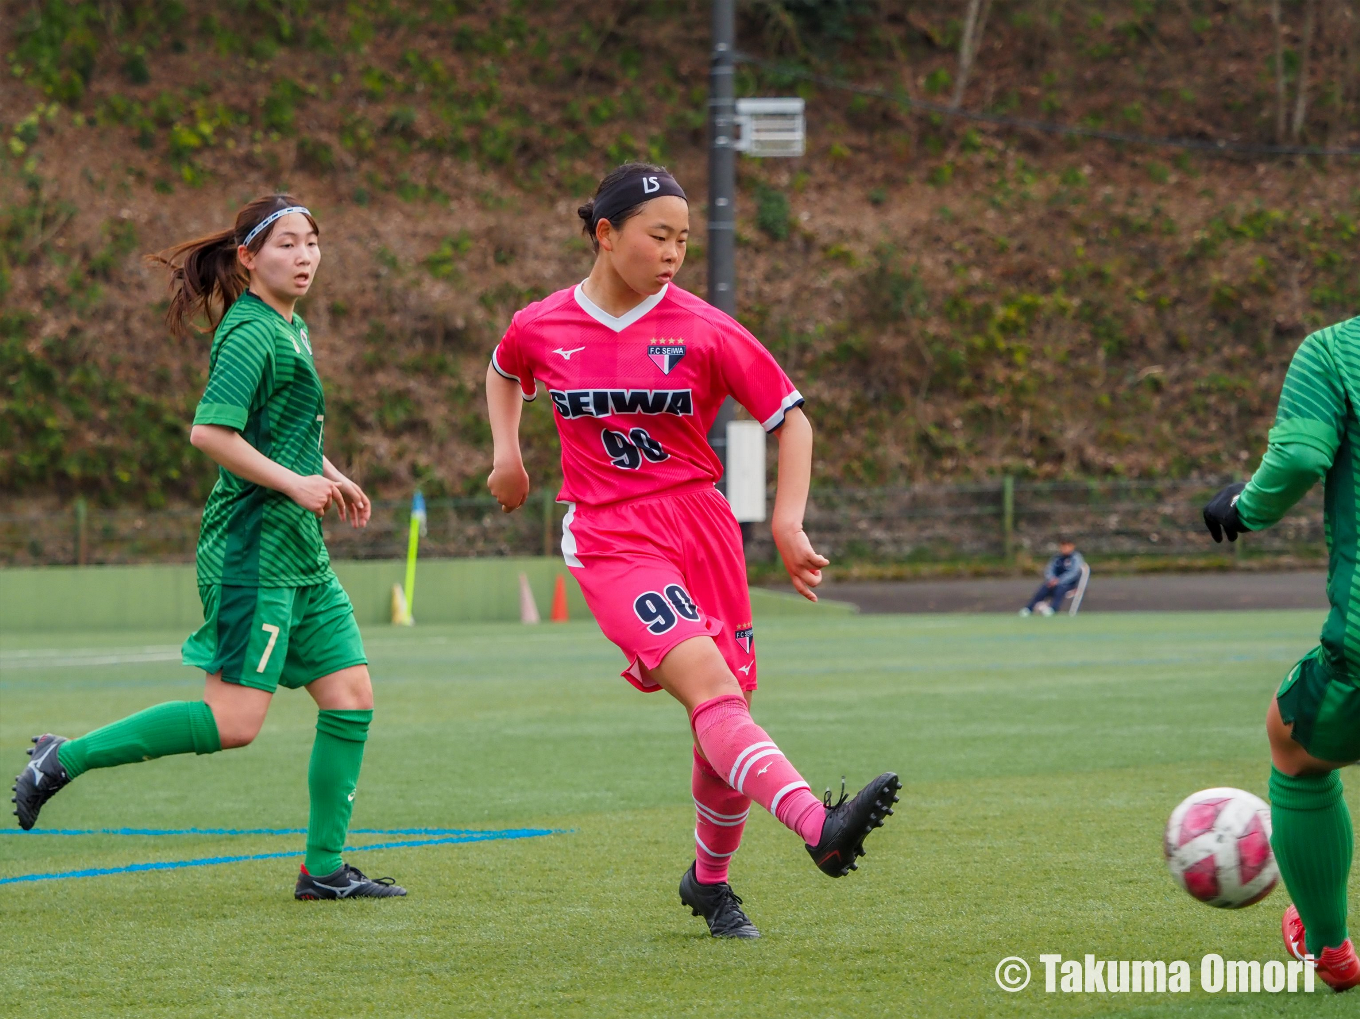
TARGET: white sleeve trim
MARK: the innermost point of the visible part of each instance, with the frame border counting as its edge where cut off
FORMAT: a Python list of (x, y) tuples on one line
[(529, 398), (501, 371), (794, 399)]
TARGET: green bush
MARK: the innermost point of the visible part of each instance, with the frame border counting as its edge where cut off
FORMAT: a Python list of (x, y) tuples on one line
[(280, 105), (64, 424), (135, 67), (315, 155), (772, 213), (442, 263), (56, 43), (889, 293), (939, 81)]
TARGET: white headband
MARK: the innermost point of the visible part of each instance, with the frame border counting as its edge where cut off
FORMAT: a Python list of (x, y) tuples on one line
[(270, 218)]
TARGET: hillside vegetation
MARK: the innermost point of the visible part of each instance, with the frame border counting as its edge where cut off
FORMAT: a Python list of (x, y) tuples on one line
[(957, 300)]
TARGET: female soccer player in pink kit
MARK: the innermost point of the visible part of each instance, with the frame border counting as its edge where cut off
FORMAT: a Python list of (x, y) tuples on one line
[(636, 369)]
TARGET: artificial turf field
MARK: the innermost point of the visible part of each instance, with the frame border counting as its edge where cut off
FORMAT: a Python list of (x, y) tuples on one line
[(1039, 758)]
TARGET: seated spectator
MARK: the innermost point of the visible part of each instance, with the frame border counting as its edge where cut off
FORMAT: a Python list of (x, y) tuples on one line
[(1061, 575)]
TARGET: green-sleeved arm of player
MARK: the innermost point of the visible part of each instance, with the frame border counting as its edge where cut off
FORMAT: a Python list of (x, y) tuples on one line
[(1287, 472), (234, 377), (1304, 441)]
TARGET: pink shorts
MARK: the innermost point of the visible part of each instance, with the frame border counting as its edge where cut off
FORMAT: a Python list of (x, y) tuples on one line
[(659, 570)]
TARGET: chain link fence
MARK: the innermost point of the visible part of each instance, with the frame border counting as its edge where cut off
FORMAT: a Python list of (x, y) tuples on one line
[(921, 524), (999, 520)]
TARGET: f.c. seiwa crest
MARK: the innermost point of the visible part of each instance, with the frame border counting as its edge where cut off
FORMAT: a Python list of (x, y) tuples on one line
[(746, 636), (666, 355)]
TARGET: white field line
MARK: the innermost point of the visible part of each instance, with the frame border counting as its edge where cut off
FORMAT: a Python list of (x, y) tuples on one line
[(51, 658)]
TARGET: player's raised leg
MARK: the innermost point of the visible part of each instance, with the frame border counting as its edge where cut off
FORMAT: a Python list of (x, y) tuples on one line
[(743, 754), (227, 717)]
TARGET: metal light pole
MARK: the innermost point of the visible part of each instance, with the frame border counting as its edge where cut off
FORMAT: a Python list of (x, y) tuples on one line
[(722, 188)]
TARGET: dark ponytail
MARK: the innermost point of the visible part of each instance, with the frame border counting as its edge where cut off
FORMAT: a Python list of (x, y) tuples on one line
[(206, 277), (614, 176)]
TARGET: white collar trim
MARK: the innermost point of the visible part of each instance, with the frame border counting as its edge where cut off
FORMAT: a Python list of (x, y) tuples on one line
[(622, 322)]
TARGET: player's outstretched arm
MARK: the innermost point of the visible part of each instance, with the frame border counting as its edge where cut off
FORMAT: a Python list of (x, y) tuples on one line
[(360, 508), (227, 448), (1287, 472), (1308, 429), (509, 481), (790, 502)]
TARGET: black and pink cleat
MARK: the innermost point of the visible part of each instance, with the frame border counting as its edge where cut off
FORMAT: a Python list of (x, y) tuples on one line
[(849, 823)]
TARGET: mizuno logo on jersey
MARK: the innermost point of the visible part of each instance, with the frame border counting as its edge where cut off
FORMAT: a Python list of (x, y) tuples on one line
[(745, 636), (666, 355), (601, 403)]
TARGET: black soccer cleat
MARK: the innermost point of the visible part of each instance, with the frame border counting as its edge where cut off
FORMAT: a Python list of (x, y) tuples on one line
[(718, 905), (849, 823), (345, 883), (40, 780)]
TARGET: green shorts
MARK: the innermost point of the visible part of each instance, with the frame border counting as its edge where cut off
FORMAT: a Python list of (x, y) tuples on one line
[(267, 637), (1323, 707)]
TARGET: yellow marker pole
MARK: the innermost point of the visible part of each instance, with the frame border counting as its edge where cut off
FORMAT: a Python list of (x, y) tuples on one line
[(418, 519), (411, 566)]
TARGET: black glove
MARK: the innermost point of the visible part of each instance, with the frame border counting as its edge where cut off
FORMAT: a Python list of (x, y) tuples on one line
[(1220, 515)]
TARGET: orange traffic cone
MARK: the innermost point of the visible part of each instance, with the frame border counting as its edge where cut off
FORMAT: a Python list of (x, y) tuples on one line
[(559, 608)]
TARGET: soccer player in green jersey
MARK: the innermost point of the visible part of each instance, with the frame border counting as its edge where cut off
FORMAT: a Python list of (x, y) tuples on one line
[(1314, 719), (274, 612)]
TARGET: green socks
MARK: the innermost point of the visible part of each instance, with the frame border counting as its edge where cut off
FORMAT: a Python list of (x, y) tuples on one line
[(175, 727), (332, 776), (181, 727), (1312, 839)]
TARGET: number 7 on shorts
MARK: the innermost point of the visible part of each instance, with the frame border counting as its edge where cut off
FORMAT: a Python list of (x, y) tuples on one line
[(273, 632)]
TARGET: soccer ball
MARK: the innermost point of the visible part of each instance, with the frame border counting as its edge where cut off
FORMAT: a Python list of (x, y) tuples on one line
[(1218, 848)]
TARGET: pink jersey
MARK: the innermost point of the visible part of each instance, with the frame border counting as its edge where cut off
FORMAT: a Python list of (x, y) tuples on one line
[(635, 396)]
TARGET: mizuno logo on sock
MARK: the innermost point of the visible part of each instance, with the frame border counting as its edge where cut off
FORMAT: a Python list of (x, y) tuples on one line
[(763, 770)]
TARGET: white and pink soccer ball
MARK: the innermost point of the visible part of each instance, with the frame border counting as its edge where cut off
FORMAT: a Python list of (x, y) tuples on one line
[(1218, 848)]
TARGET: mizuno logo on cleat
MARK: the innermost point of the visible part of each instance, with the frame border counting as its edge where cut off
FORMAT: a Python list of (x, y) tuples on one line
[(34, 765)]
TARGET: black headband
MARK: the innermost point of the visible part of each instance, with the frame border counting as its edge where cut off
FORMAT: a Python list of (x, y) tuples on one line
[(629, 191)]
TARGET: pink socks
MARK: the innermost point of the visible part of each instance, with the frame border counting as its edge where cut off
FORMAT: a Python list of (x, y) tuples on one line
[(748, 761), (721, 816)]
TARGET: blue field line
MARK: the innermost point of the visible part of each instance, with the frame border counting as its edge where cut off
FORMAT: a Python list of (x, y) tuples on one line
[(233, 831), (213, 861)]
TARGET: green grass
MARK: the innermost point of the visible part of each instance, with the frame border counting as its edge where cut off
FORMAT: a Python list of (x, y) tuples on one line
[(1040, 760)]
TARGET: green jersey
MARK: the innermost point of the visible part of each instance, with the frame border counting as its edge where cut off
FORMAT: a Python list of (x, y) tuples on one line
[(262, 382), (1317, 435)]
